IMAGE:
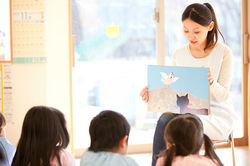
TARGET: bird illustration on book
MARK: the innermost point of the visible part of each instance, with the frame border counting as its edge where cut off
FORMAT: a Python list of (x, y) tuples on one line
[(168, 79)]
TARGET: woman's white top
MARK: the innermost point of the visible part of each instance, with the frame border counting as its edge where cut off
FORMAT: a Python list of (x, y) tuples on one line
[(219, 123)]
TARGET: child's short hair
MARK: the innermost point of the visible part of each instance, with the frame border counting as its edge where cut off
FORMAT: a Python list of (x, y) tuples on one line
[(106, 130)]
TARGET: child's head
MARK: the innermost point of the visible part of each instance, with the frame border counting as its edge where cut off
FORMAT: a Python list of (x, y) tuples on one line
[(109, 131), (185, 133), (200, 25), (2, 132), (41, 138), (184, 136), (2, 125)]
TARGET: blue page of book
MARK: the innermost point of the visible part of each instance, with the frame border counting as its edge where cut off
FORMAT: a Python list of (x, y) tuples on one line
[(178, 89)]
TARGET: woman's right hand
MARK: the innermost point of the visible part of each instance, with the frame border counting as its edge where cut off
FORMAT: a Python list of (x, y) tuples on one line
[(144, 94)]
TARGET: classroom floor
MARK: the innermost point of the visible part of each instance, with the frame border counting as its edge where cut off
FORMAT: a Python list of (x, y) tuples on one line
[(242, 157)]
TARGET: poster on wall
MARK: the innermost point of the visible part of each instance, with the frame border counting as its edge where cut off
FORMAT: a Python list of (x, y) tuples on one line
[(5, 32)]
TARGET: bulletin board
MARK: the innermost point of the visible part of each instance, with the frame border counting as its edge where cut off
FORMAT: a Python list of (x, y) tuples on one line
[(5, 32), (28, 31)]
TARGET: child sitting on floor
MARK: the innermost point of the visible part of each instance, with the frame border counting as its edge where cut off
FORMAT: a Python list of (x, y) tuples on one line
[(7, 149), (184, 137), (109, 132), (43, 139)]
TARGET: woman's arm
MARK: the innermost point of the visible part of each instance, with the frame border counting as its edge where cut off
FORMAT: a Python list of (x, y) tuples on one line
[(220, 88)]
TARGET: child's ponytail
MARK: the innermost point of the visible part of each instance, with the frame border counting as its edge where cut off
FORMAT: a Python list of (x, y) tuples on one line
[(169, 155), (214, 32), (209, 150)]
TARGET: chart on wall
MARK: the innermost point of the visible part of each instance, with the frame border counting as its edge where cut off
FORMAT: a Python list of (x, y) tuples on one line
[(5, 31), (6, 92), (28, 31)]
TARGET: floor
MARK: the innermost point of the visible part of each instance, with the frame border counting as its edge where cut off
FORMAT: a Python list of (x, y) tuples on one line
[(242, 156)]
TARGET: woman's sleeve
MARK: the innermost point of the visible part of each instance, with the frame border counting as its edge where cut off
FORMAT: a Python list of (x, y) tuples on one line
[(220, 88)]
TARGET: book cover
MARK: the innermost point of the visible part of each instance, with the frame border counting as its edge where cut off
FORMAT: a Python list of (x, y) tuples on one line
[(178, 89)]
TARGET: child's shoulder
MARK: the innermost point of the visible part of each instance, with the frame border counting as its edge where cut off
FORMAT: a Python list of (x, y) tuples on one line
[(105, 158), (4, 142), (193, 160), (65, 159), (188, 160)]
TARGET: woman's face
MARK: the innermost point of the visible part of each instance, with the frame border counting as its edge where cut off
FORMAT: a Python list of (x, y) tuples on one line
[(195, 33)]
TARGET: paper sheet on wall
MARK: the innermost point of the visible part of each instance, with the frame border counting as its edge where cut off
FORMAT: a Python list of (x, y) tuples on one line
[(5, 49), (6, 92), (28, 31)]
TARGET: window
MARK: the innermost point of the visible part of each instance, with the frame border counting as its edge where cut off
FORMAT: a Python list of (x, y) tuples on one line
[(114, 43)]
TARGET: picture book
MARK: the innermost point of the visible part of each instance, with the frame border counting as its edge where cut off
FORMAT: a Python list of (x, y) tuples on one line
[(178, 89)]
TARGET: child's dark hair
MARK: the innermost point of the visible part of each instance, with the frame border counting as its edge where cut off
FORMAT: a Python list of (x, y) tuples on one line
[(203, 14), (42, 138), (2, 121), (185, 134), (106, 130), (62, 120)]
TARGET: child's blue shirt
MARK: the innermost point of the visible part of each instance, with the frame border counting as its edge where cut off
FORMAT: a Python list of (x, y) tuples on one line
[(8, 150), (90, 158)]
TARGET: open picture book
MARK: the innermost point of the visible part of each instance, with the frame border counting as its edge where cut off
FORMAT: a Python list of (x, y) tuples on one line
[(178, 89)]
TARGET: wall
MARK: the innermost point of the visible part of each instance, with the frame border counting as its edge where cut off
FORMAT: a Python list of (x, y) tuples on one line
[(29, 89), (48, 83), (57, 52)]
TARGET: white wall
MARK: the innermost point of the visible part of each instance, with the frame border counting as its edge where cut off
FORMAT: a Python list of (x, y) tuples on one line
[(48, 83), (57, 52), (28, 81)]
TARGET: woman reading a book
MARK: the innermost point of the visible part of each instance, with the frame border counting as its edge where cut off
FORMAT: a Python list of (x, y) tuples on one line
[(204, 50)]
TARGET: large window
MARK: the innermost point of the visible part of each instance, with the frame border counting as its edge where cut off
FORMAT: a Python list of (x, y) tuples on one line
[(114, 43)]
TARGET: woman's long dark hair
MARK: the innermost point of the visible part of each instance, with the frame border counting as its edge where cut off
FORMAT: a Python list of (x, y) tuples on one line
[(204, 14), (41, 139), (185, 134)]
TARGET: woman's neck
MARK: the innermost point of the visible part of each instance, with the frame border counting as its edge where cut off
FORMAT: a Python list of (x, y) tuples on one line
[(200, 51), (199, 48)]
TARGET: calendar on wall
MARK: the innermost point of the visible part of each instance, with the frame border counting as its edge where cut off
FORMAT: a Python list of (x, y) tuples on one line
[(28, 31), (5, 31)]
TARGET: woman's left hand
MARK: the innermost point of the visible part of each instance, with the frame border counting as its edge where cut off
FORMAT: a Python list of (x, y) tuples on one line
[(210, 78)]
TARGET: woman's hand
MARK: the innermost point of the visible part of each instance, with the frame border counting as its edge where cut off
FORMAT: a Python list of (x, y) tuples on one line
[(144, 94), (210, 78)]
